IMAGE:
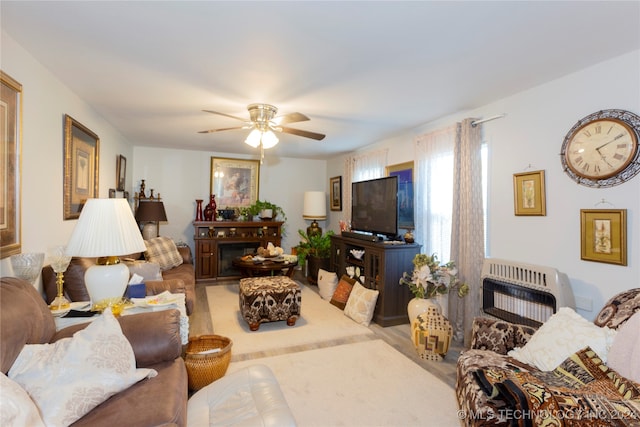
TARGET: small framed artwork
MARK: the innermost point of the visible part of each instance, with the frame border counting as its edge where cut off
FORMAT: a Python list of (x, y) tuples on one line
[(81, 151), (404, 172), (335, 195), (603, 235), (10, 172), (121, 172), (112, 193), (529, 194), (235, 182)]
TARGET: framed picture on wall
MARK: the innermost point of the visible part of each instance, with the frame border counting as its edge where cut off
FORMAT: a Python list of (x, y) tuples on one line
[(10, 184), (529, 194), (335, 194), (121, 172), (81, 151), (404, 172), (235, 182), (603, 235)]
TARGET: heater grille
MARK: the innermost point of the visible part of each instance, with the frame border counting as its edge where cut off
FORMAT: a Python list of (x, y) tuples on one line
[(523, 293)]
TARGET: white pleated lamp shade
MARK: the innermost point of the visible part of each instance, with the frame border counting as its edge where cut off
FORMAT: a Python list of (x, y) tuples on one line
[(106, 227)]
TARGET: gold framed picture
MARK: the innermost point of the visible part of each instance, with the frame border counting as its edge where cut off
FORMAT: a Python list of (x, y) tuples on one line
[(603, 235), (235, 182), (81, 161), (529, 194), (335, 194), (404, 172), (10, 177), (121, 172)]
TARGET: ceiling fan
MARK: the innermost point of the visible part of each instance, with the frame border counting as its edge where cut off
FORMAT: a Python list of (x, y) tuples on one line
[(263, 123)]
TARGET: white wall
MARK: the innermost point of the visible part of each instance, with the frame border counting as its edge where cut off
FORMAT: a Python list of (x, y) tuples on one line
[(45, 102), (532, 134), (182, 176)]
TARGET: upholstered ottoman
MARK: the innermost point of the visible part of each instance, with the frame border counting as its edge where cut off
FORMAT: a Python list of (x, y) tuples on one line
[(269, 299), (248, 397)]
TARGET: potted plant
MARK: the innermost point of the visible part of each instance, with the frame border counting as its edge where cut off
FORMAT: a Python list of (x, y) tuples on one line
[(316, 249), (261, 208)]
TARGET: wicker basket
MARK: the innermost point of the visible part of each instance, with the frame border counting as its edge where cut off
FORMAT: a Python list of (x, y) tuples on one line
[(203, 369)]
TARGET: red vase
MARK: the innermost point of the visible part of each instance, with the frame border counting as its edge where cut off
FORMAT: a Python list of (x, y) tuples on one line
[(199, 209), (210, 209)]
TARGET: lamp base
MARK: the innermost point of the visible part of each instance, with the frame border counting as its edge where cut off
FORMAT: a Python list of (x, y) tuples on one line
[(314, 229), (106, 281), (150, 231)]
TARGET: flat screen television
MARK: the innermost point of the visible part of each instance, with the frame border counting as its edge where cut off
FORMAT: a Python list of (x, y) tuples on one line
[(374, 206)]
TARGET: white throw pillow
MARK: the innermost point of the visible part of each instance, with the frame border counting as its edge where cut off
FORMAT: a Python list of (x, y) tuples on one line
[(624, 355), (16, 407), (361, 304), (147, 270), (565, 333), (327, 283), (70, 377)]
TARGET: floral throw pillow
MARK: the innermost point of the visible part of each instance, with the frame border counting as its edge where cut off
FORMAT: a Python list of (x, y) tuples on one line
[(70, 377)]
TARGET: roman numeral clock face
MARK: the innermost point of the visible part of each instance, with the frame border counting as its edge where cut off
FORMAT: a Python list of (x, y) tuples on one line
[(602, 151)]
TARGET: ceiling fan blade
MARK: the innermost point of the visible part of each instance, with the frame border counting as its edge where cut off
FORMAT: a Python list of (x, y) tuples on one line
[(305, 133), (289, 118), (226, 115), (222, 129)]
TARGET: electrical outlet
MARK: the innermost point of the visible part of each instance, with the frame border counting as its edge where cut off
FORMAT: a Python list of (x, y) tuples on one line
[(584, 303)]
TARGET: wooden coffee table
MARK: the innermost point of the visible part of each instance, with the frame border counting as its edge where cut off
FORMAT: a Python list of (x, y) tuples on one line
[(268, 267)]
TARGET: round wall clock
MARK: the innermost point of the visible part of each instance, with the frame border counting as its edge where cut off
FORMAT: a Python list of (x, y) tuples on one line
[(602, 149)]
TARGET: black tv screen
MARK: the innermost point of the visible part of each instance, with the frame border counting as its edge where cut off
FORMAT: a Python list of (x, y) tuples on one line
[(374, 206)]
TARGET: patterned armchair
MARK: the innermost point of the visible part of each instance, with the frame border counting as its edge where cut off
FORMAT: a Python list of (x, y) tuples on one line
[(493, 339)]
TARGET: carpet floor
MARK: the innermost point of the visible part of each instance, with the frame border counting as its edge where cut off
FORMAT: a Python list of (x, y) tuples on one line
[(367, 383), (320, 324)]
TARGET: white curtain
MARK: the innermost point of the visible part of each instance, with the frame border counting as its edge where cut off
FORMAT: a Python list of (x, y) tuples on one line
[(361, 167), (467, 239), (433, 193)]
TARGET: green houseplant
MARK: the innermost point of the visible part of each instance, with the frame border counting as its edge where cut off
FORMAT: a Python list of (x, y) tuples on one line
[(316, 249), (261, 205)]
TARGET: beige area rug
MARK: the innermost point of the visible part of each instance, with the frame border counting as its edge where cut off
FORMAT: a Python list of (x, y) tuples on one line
[(319, 322), (361, 384)]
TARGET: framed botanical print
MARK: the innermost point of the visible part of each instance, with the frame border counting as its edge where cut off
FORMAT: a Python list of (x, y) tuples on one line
[(235, 182), (11, 170), (404, 172), (603, 235), (81, 161), (529, 194), (335, 194)]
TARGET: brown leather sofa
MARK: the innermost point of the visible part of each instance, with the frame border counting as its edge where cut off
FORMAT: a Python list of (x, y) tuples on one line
[(154, 336), (180, 279)]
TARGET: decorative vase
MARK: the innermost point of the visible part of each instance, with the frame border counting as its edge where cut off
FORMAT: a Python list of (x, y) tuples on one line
[(431, 334), (408, 237), (199, 209), (210, 209), (417, 306)]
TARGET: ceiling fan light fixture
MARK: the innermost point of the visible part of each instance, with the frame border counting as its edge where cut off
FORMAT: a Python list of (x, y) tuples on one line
[(269, 139), (253, 139)]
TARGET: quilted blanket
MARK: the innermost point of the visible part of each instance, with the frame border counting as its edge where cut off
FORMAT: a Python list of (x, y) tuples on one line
[(582, 391)]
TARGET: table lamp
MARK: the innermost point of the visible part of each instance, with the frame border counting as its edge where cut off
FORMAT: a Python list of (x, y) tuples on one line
[(106, 229), (314, 208), (151, 213)]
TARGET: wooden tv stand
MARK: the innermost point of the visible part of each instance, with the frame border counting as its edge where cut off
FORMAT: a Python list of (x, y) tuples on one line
[(382, 266)]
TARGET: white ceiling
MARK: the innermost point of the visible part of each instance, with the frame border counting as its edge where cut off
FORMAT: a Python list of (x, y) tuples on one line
[(362, 71)]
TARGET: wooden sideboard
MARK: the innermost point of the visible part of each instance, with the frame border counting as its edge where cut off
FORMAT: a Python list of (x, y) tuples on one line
[(382, 266), (217, 243)]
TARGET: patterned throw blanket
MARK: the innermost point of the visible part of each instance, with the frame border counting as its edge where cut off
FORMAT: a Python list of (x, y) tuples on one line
[(582, 391)]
